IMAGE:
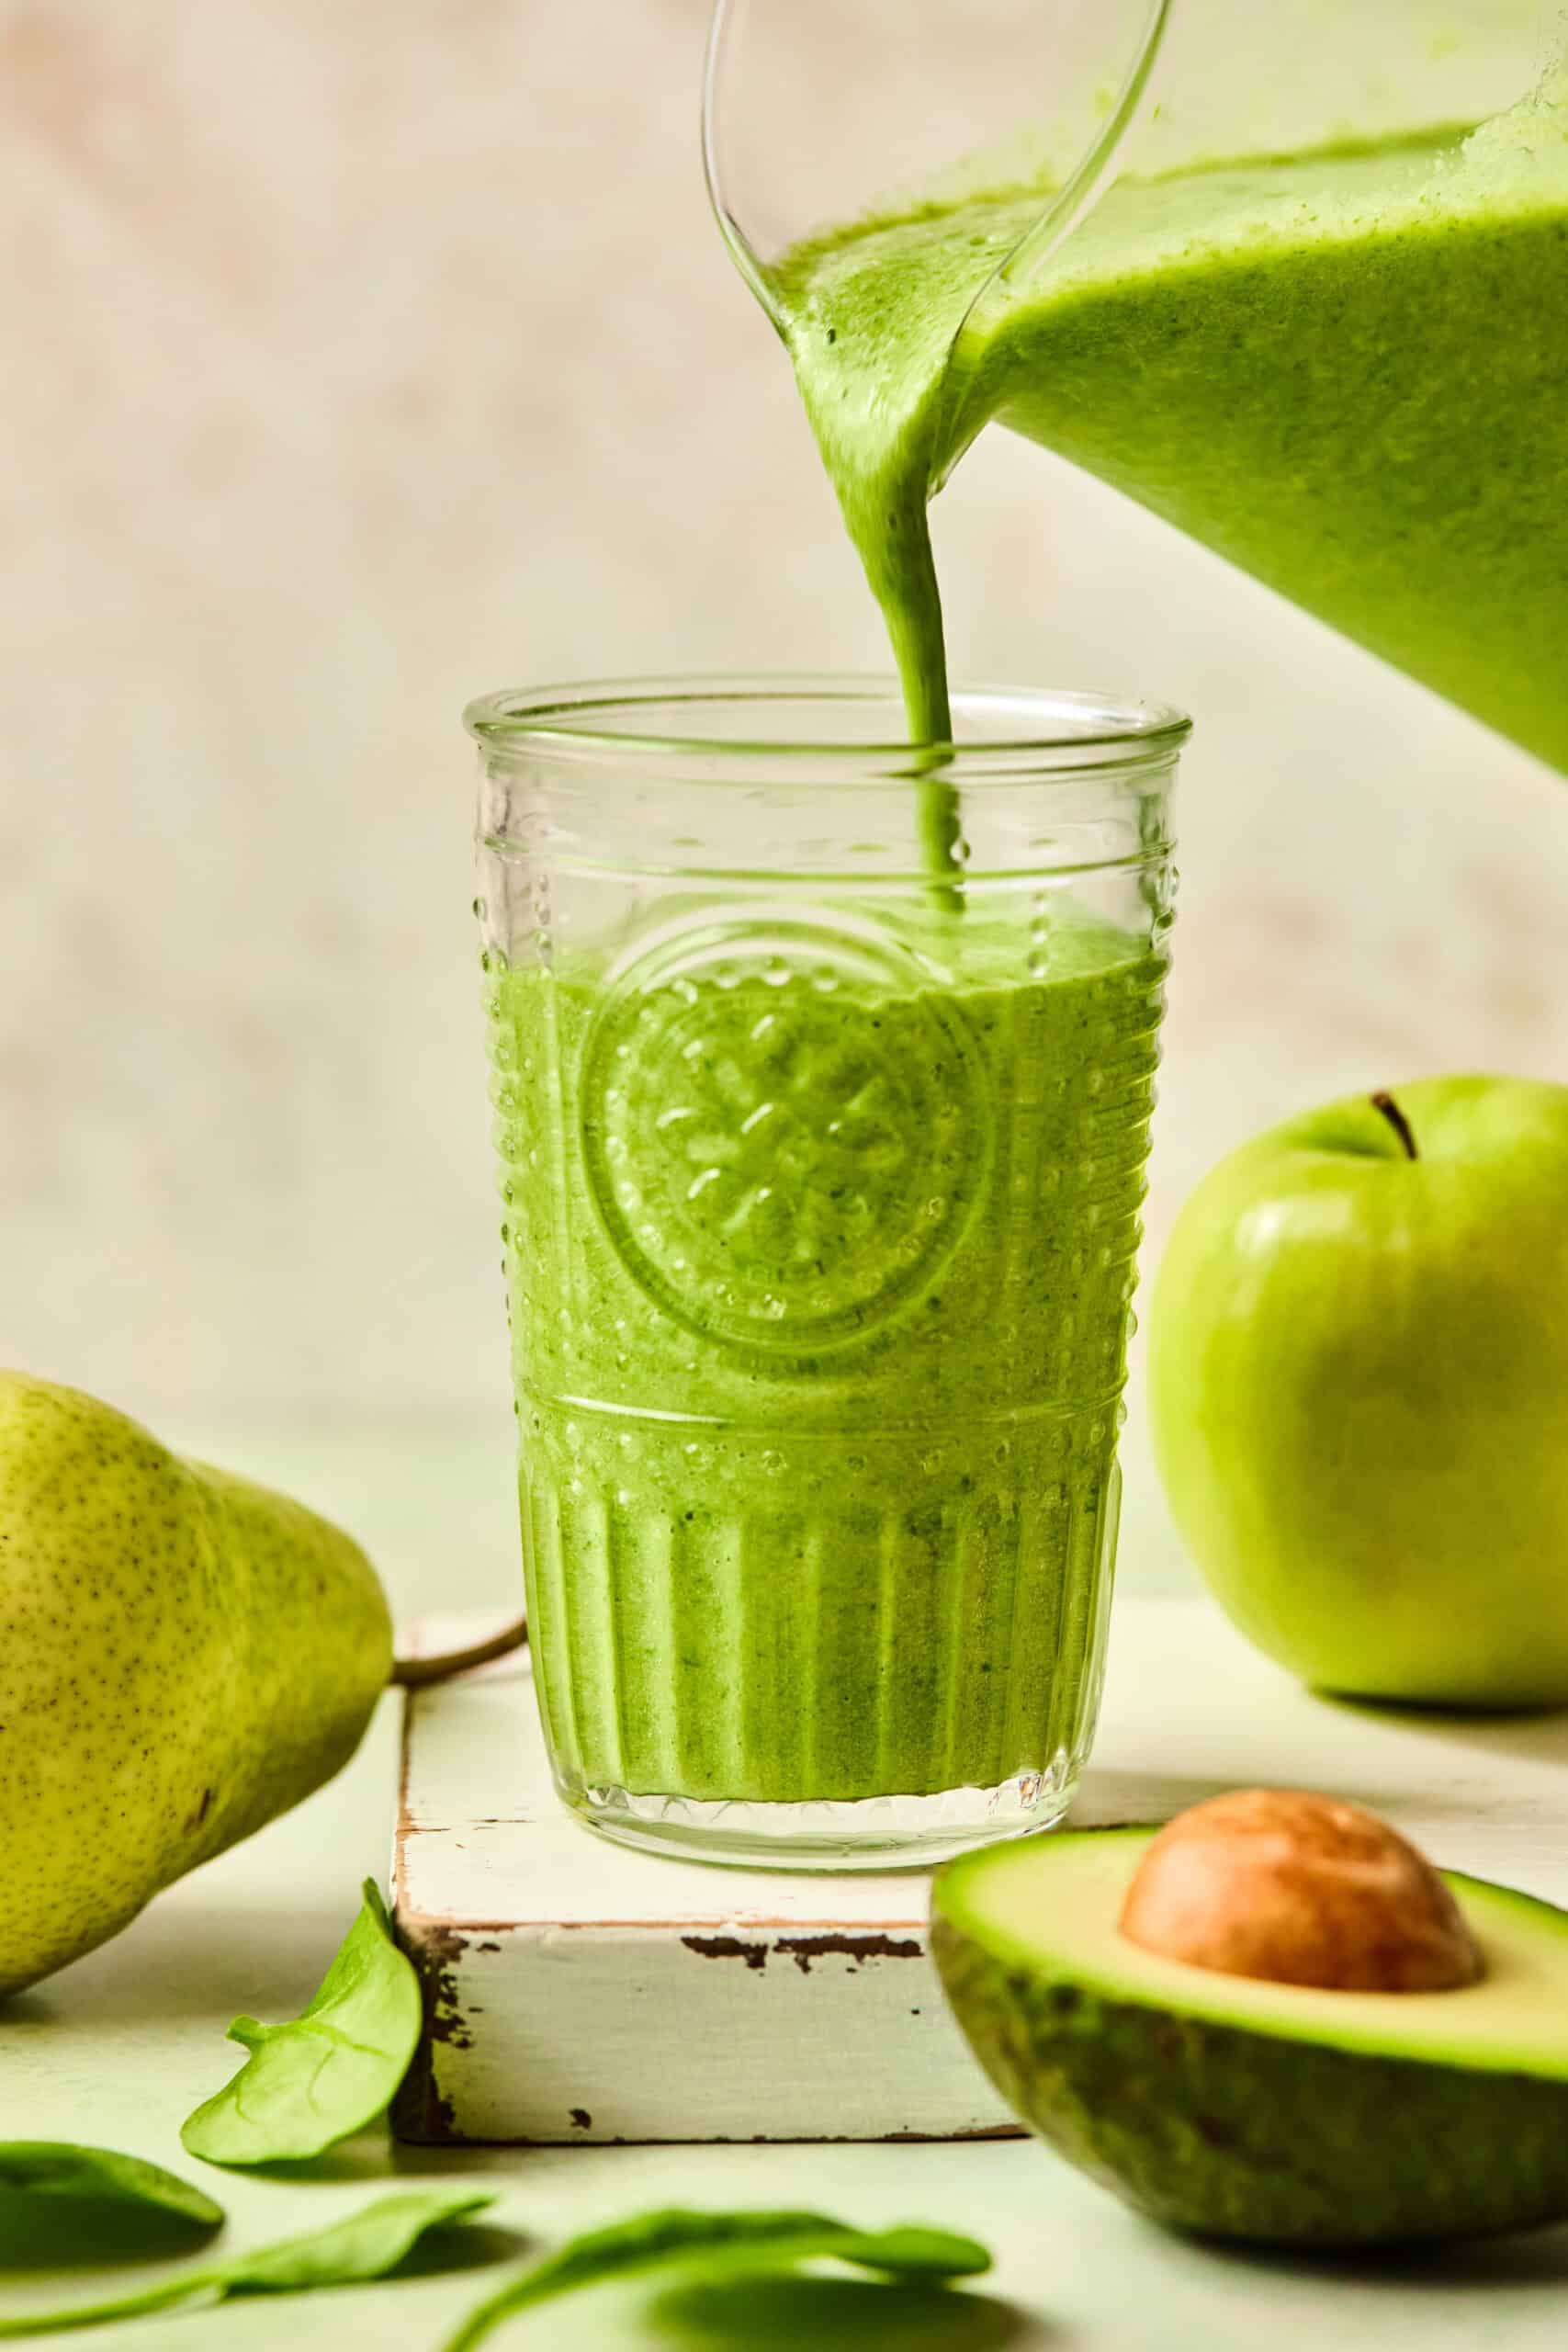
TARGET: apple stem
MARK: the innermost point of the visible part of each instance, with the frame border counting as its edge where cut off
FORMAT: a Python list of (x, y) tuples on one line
[(419, 1673), (1398, 1122)]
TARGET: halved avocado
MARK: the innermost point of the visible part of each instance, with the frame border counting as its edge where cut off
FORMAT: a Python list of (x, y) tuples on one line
[(1241, 2109)]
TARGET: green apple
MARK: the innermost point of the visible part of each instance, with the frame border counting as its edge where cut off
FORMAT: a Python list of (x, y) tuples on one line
[(1358, 1371)]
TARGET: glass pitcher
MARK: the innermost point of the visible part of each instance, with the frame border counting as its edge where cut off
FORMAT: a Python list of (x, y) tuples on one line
[(1294, 276)]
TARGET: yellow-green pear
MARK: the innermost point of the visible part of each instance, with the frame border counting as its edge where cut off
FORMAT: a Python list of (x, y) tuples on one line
[(183, 1655)]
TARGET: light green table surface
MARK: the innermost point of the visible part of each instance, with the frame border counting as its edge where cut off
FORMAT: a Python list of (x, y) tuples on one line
[(117, 2049)]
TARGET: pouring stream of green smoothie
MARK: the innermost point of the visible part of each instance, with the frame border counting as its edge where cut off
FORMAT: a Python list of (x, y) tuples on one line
[(1343, 371)]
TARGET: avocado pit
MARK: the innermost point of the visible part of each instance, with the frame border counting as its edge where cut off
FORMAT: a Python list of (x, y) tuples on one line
[(1296, 1889)]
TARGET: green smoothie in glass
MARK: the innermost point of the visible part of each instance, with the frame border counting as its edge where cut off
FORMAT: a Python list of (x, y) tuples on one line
[(821, 1207), (869, 1244)]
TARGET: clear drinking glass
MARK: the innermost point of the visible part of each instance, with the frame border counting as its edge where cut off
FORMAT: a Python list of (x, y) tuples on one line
[(821, 1199)]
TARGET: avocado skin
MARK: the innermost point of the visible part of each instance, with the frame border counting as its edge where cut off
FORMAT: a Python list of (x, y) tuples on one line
[(1231, 2134)]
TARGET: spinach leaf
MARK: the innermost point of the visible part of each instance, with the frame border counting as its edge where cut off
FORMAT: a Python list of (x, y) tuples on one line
[(101, 2177), (367, 2246), (762, 2239), (327, 2072)]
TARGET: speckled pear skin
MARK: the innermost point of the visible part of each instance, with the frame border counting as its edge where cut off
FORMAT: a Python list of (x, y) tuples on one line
[(183, 1655)]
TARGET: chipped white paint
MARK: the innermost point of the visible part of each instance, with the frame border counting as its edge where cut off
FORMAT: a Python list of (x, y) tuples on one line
[(581, 1992)]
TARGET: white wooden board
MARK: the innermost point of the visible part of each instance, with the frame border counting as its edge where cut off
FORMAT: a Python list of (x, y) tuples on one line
[(576, 1991)]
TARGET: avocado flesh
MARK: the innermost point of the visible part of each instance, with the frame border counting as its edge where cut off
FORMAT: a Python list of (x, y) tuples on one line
[(1271, 2113)]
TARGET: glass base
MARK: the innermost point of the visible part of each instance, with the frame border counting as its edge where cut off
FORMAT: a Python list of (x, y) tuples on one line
[(870, 1834)]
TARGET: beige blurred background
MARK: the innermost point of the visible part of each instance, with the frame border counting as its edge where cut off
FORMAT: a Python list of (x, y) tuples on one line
[(359, 358)]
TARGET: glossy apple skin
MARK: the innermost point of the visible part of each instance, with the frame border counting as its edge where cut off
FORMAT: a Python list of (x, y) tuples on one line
[(1359, 1378)]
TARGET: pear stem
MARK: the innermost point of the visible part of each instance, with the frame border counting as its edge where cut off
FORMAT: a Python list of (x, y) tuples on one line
[(1398, 1122), (419, 1673)]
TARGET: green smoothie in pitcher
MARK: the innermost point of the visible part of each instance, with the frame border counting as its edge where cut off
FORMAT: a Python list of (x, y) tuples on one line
[(1343, 371)]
